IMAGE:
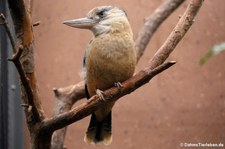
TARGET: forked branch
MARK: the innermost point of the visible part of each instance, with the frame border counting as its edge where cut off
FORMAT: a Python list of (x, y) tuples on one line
[(31, 110)]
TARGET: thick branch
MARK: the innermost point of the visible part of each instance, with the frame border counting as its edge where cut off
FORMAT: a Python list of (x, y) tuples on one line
[(25, 63), (110, 95), (153, 22), (16, 61)]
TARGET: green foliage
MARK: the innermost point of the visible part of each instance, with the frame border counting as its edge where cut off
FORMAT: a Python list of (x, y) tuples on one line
[(216, 49)]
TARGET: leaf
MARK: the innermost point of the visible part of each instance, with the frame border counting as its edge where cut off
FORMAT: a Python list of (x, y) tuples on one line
[(216, 49)]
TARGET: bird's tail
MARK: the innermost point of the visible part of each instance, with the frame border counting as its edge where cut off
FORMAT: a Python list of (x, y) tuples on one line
[(98, 132)]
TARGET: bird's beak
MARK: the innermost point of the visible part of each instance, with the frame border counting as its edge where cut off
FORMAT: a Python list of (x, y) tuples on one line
[(84, 23)]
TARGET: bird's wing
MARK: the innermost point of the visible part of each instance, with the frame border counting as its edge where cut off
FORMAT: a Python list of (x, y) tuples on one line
[(84, 71)]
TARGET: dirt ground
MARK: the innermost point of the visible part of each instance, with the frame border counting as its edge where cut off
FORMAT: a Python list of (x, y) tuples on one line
[(184, 104)]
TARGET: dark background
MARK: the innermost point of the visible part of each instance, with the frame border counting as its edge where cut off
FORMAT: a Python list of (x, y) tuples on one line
[(11, 113)]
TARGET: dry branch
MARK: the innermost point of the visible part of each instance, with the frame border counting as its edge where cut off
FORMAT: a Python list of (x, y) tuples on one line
[(153, 22), (177, 34), (16, 60), (66, 97), (25, 63), (110, 95), (27, 88)]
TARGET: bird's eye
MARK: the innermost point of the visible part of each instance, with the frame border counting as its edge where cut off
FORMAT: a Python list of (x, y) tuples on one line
[(101, 14)]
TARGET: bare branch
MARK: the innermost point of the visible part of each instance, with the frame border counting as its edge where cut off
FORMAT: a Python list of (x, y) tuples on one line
[(177, 34), (66, 97), (110, 95), (16, 56), (73, 92), (16, 61), (25, 84), (25, 62), (153, 22)]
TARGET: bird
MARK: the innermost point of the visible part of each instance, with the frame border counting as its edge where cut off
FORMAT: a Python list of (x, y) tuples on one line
[(109, 59)]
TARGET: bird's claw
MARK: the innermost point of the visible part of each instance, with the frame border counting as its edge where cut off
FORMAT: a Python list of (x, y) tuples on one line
[(100, 93), (118, 85)]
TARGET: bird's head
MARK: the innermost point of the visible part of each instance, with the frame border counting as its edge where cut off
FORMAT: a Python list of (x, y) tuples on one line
[(101, 20)]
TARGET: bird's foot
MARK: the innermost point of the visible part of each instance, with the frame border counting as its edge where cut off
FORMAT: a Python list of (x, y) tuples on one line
[(100, 93), (118, 85)]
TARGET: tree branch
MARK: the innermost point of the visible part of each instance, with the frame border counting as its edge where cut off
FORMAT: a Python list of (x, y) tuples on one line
[(29, 93), (153, 22), (16, 61), (177, 34), (25, 62), (110, 95), (66, 97)]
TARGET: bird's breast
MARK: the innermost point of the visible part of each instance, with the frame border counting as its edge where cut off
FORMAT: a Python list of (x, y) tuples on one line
[(110, 59)]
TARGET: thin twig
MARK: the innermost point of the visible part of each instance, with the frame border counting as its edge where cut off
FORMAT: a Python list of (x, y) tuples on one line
[(16, 56), (6, 26)]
